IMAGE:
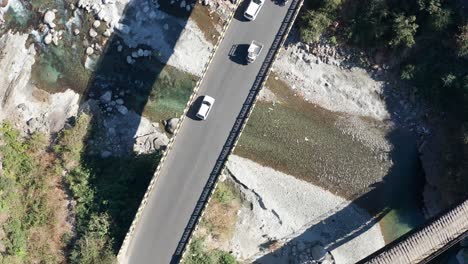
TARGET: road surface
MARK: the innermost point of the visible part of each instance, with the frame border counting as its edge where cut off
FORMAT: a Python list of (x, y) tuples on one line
[(199, 143)]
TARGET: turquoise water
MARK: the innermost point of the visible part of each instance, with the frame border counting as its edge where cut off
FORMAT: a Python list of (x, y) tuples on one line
[(403, 187)]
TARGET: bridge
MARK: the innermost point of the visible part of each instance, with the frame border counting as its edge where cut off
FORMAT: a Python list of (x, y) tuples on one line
[(426, 242)]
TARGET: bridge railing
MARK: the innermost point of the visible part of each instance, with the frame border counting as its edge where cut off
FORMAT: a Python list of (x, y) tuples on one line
[(426, 242)]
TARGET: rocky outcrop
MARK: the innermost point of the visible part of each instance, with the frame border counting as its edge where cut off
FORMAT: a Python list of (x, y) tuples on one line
[(22, 103)]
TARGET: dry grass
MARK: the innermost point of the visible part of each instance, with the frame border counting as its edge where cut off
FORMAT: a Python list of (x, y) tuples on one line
[(219, 221), (207, 22)]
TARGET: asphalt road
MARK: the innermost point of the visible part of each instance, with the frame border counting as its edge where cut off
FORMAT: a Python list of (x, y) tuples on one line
[(199, 143)]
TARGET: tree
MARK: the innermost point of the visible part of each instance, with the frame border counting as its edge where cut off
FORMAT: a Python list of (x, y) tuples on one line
[(441, 19), (330, 6), (315, 24), (462, 41), (408, 72), (430, 6), (404, 29)]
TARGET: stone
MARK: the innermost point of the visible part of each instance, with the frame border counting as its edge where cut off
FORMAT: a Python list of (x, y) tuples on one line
[(96, 23), (140, 53), (119, 48), (49, 18), (93, 33), (122, 109), (55, 39), (188, 8), (42, 28), (105, 154), (166, 27), (22, 107), (48, 39), (89, 51), (129, 60), (319, 253), (171, 125), (119, 101), (107, 33), (106, 97)]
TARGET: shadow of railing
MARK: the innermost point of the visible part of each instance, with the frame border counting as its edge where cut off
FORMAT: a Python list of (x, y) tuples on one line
[(122, 83), (238, 126)]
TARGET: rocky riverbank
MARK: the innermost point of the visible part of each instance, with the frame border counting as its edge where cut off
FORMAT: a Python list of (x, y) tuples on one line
[(282, 210)]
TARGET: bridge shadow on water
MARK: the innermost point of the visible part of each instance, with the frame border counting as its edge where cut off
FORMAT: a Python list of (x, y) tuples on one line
[(124, 79)]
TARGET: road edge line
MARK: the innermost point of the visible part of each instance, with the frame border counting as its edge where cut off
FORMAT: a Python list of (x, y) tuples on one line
[(126, 242)]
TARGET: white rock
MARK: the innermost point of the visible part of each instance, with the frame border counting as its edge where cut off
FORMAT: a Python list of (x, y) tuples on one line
[(55, 39), (188, 7), (140, 53), (106, 97), (182, 4), (48, 39), (96, 23), (119, 48), (119, 101), (129, 60), (135, 54), (89, 51), (92, 33), (122, 109), (49, 18), (105, 154), (107, 33)]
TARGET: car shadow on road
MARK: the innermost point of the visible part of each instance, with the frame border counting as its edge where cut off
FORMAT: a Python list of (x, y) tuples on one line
[(238, 54), (239, 15), (193, 109)]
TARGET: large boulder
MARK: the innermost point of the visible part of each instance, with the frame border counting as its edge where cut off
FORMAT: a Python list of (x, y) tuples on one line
[(171, 125), (49, 18)]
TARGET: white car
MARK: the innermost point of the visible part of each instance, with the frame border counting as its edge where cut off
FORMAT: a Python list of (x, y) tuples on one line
[(205, 107), (253, 9)]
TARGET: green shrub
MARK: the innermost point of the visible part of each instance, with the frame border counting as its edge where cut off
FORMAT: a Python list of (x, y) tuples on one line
[(408, 72), (404, 29), (462, 41), (315, 25), (223, 194)]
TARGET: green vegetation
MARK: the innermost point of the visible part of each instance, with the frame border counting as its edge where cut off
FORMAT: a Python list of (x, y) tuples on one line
[(218, 222), (30, 207), (224, 193), (197, 254), (107, 191), (426, 42), (428, 38)]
